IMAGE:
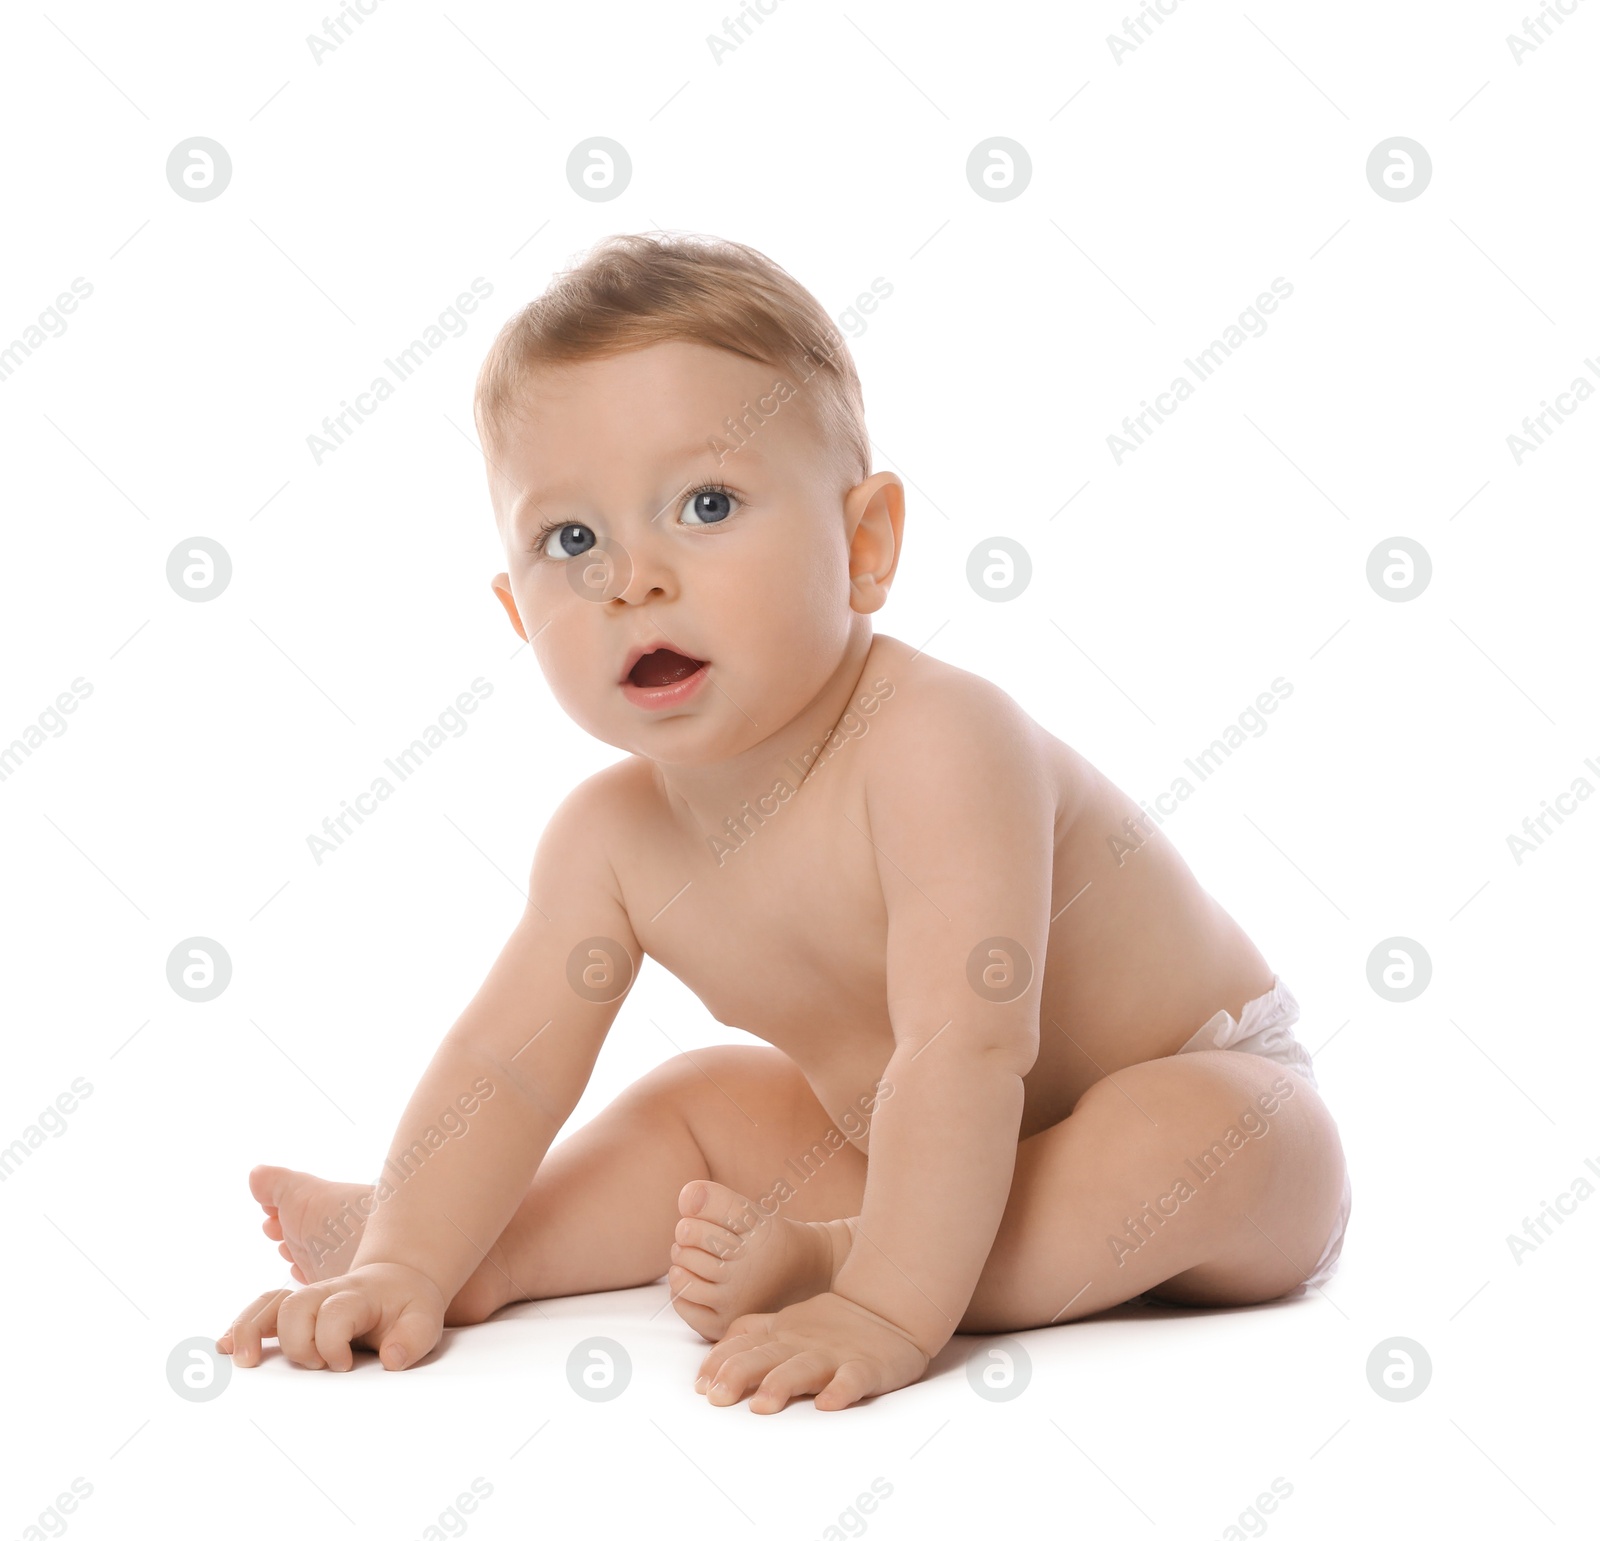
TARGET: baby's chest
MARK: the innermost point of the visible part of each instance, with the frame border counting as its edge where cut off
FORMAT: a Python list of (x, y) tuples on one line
[(773, 930)]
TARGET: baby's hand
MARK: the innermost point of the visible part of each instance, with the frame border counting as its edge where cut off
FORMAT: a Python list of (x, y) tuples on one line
[(387, 1306), (827, 1345)]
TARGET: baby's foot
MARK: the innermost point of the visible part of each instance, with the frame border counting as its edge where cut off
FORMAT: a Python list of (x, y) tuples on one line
[(729, 1259), (317, 1224)]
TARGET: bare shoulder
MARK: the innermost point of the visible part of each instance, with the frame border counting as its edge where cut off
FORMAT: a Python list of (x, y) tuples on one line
[(603, 816), (615, 803), (935, 707), (926, 703)]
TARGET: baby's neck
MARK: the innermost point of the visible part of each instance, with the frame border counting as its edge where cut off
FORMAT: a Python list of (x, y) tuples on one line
[(706, 796)]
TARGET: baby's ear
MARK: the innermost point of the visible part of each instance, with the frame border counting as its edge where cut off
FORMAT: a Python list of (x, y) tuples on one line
[(501, 584), (875, 512)]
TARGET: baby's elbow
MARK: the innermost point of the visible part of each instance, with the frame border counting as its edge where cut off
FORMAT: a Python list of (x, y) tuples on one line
[(1013, 1052), (971, 1054)]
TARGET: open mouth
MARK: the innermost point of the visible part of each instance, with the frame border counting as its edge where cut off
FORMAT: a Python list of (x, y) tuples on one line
[(663, 667)]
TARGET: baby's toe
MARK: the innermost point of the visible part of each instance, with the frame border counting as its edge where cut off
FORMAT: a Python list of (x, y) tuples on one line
[(703, 1199), (267, 1184), (685, 1284), (708, 1266), (699, 1305), (702, 1319), (707, 1236)]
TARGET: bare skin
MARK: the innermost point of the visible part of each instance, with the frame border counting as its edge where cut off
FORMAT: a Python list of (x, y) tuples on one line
[(969, 953)]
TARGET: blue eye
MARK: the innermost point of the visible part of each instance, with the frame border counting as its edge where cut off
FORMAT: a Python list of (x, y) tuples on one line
[(563, 540), (704, 503)]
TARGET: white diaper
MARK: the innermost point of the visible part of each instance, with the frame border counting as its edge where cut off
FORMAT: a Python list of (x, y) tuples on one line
[(1266, 1028)]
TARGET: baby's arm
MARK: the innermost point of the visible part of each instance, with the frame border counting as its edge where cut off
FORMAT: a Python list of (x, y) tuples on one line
[(964, 834), (522, 1052), (962, 820)]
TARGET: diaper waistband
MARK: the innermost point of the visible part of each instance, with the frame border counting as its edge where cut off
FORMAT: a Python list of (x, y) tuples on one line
[(1264, 1026)]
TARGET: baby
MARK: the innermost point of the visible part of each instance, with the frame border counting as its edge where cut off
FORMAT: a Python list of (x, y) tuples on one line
[(1011, 1075)]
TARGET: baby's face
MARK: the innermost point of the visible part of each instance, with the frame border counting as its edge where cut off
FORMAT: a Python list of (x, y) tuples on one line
[(626, 528)]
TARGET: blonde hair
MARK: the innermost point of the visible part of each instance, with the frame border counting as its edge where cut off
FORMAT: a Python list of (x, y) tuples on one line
[(630, 291)]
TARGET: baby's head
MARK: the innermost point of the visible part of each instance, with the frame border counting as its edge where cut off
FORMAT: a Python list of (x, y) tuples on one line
[(678, 459)]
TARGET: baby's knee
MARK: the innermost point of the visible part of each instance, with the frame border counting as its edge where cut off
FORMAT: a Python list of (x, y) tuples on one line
[(721, 1070)]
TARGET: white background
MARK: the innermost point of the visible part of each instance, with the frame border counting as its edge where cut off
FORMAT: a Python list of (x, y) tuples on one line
[(1167, 191)]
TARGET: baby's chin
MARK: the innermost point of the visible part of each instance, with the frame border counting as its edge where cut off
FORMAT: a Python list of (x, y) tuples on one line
[(688, 741), (683, 738)]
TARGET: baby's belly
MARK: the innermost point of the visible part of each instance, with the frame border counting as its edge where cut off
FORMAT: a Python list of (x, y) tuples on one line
[(851, 1096), (1089, 1031), (848, 1086), (1109, 1000)]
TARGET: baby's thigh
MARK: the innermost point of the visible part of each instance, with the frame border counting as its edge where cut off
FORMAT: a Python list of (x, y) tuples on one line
[(1282, 1155), (759, 1127), (1191, 1177)]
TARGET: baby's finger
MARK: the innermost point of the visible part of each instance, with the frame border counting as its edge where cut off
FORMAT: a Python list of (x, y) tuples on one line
[(297, 1326), (258, 1320), (795, 1377), (412, 1337), (729, 1344), (743, 1371), (344, 1316), (856, 1379)]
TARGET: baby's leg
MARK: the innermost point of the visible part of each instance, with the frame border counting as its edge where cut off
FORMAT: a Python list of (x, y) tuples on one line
[(1097, 1211), (602, 1211), (1143, 1188)]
